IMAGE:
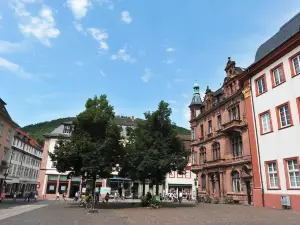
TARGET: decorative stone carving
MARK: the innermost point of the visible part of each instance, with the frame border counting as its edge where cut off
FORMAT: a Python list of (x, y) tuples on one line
[(247, 92)]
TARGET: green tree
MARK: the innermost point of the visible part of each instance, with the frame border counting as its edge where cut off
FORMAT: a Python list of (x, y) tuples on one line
[(155, 148), (94, 147)]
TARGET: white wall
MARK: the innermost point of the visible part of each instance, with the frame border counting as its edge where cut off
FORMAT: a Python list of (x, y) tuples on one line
[(283, 143)]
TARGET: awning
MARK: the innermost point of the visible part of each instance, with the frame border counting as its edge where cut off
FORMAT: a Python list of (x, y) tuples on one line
[(180, 185)]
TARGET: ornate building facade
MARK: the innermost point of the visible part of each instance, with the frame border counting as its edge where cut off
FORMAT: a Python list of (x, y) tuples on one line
[(220, 151)]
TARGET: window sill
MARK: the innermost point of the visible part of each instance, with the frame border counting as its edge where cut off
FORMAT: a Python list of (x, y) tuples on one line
[(295, 75), (267, 132), (281, 128), (275, 86), (259, 94), (271, 189), (294, 188)]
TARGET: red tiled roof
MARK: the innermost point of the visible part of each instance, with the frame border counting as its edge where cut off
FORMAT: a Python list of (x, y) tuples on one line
[(32, 141)]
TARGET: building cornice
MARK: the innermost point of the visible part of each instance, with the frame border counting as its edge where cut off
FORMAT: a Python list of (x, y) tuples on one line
[(276, 54), (226, 100)]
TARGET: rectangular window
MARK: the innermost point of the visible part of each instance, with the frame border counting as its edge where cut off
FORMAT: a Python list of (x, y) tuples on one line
[(293, 172), (296, 64), (219, 122), (51, 188), (209, 127), (284, 115), (277, 75), (201, 130), (52, 177), (9, 135), (193, 133), (265, 122), (187, 174), (67, 129), (172, 174), (273, 176), (1, 129), (261, 85), (179, 175)]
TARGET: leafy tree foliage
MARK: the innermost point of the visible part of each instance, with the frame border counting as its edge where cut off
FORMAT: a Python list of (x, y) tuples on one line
[(95, 147), (154, 148)]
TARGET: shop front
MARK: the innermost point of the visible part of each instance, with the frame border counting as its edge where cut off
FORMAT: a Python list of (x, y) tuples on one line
[(121, 185), (184, 188)]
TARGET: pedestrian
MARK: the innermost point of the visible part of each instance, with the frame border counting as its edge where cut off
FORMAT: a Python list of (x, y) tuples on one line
[(107, 197), (64, 197), (57, 196), (76, 196), (35, 196), (15, 196), (115, 196), (180, 196)]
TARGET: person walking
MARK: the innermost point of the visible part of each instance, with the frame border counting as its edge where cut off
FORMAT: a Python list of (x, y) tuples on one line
[(57, 196), (35, 196), (107, 197), (15, 196), (76, 197), (64, 197), (180, 196)]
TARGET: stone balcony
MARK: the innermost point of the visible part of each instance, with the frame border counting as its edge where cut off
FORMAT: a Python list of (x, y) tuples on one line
[(232, 125)]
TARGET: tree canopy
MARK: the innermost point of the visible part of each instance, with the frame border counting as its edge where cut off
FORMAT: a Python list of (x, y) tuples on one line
[(154, 148), (94, 147)]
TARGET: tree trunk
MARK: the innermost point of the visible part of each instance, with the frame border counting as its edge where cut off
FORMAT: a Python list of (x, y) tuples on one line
[(157, 187), (93, 191), (144, 187)]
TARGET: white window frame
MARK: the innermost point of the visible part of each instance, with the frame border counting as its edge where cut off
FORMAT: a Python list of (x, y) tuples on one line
[(278, 75), (210, 127), (294, 170), (297, 58), (266, 122), (236, 182), (261, 86), (273, 176), (193, 133), (286, 115)]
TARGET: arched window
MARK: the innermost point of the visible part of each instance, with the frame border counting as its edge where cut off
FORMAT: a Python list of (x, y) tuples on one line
[(237, 144), (203, 182), (216, 150), (202, 155), (236, 181)]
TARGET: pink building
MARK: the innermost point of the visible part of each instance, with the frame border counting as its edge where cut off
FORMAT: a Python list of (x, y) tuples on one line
[(7, 130), (220, 151)]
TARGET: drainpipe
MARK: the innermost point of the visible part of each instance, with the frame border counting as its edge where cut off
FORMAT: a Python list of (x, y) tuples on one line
[(257, 144)]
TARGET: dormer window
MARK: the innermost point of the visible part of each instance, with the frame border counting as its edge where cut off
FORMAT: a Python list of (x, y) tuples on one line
[(67, 129)]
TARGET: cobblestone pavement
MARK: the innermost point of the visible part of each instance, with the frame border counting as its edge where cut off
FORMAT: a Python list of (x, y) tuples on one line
[(59, 213)]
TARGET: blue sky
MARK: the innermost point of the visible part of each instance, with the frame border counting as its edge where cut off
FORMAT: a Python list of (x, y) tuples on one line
[(54, 54)]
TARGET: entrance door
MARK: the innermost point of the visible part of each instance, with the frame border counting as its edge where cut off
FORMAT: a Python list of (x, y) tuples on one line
[(248, 186)]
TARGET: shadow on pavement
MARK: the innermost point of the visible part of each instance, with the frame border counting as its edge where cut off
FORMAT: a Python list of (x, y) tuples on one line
[(126, 205)]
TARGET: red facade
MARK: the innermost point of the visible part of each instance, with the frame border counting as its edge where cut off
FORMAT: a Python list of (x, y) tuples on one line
[(220, 151)]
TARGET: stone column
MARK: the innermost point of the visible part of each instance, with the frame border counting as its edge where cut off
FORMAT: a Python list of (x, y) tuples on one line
[(222, 185), (69, 187), (57, 184)]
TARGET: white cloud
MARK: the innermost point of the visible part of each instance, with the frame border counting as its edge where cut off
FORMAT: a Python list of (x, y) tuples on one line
[(170, 50), (169, 85), (79, 7), (125, 17), (38, 99), (78, 26), (177, 80), (14, 68), (79, 63), (102, 73), (147, 75), (41, 27), (10, 47), (172, 101), (109, 3), (123, 55), (101, 36), (175, 110), (168, 61)]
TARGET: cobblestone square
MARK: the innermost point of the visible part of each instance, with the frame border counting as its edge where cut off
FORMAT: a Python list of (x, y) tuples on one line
[(60, 213)]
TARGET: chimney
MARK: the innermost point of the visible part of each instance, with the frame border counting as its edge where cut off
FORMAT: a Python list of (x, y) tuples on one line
[(132, 118)]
